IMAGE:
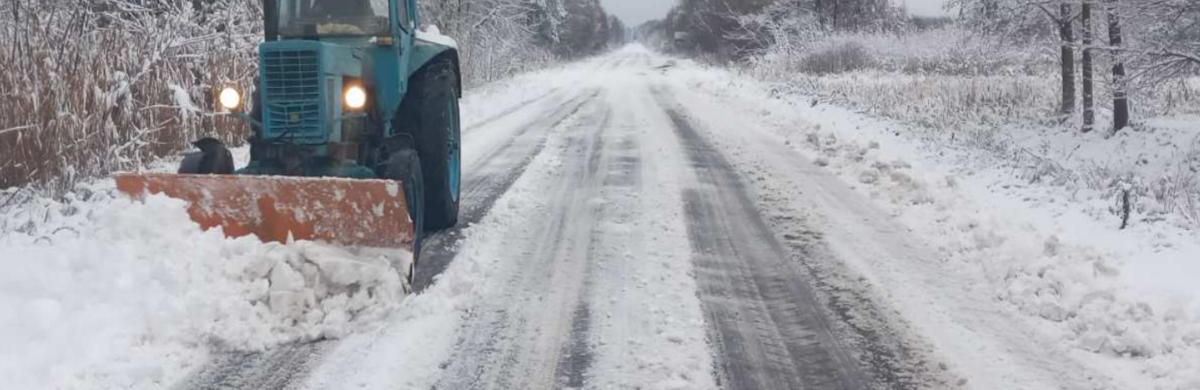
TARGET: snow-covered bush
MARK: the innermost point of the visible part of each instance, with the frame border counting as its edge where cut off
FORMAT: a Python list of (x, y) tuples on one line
[(92, 87), (943, 51), (942, 102), (842, 58)]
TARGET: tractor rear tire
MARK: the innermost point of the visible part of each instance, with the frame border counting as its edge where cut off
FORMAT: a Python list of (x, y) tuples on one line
[(430, 114), (405, 166)]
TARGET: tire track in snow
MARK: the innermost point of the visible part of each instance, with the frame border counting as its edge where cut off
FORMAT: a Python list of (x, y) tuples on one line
[(886, 346), (274, 369), (505, 113), (619, 171), (518, 338), (768, 329), (576, 355), (896, 358)]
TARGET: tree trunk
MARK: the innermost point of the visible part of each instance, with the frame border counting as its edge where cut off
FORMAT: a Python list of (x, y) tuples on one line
[(1120, 89), (1089, 104), (835, 15), (1068, 60), (820, 11)]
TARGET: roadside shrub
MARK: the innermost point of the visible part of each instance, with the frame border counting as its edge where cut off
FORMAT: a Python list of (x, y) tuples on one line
[(938, 101), (92, 87), (945, 51), (840, 57)]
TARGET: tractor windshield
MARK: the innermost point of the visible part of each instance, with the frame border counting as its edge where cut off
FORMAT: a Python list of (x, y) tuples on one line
[(306, 18)]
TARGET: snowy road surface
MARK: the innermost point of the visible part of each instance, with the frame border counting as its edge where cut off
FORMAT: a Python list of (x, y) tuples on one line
[(609, 240), (604, 241), (620, 230)]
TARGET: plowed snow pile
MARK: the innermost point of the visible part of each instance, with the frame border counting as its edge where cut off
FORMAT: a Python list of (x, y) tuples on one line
[(109, 293)]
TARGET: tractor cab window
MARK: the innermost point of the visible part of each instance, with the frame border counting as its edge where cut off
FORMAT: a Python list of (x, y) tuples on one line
[(306, 18)]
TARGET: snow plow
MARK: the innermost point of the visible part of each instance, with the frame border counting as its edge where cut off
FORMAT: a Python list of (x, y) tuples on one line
[(355, 133), (351, 213)]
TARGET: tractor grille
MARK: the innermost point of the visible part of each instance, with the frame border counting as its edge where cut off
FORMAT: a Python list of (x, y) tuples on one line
[(293, 104)]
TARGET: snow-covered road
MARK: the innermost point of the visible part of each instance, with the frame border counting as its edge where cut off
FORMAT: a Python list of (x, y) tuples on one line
[(604, 242), (620, 230), (609, 240)]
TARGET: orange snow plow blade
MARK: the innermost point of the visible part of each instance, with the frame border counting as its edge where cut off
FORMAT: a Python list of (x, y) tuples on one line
[(345, 212)]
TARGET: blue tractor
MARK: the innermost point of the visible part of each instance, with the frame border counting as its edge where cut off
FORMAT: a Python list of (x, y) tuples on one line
[(356, 132)]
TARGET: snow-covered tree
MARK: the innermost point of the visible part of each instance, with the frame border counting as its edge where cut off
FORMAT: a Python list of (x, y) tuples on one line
[(1145, 43)]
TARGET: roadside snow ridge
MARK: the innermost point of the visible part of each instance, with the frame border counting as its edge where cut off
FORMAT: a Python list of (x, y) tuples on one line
[(112, 293)]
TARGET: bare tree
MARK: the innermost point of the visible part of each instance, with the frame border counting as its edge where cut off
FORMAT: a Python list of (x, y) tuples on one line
[(1064, 21), (1120, 89), (1089, 101)]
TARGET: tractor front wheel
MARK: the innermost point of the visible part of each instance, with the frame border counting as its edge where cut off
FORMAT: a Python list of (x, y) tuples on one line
[(405, 166), (430, 114)]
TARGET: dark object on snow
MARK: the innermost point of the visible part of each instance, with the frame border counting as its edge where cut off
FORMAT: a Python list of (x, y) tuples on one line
[(1125, 208), (213, 158)]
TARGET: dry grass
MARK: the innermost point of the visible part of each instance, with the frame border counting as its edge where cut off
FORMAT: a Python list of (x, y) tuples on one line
[(848, 57), (89, 88), (940, 101)]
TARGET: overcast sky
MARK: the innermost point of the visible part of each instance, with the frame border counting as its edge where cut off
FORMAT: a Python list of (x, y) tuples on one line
[(635, 12)]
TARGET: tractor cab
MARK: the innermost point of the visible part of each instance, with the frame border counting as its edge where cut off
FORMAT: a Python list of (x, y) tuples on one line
[(315, 19)]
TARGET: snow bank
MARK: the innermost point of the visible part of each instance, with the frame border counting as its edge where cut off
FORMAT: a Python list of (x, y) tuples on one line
[(1125, 301), (103, 292)]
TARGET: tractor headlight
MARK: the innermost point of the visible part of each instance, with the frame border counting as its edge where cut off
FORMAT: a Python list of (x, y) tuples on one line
[(356, 97), (230, 99)]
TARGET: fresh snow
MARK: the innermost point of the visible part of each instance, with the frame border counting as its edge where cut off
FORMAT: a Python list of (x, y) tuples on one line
[(104, 292), (432, 34), (183, 100), (1120, 302), (641, 290), (1009, 283)]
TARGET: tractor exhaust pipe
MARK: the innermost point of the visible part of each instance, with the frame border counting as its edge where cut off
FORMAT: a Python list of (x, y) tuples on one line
[(270, 21)]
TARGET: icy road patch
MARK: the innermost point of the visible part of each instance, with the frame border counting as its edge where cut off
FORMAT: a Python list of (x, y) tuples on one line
[(109, 293)]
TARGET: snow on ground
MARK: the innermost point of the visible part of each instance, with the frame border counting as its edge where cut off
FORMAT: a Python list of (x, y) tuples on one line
[(1025, 277), (105, 292), (637, 288), (102, 292), (652, 304), (411, 351), (1122, 302)]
